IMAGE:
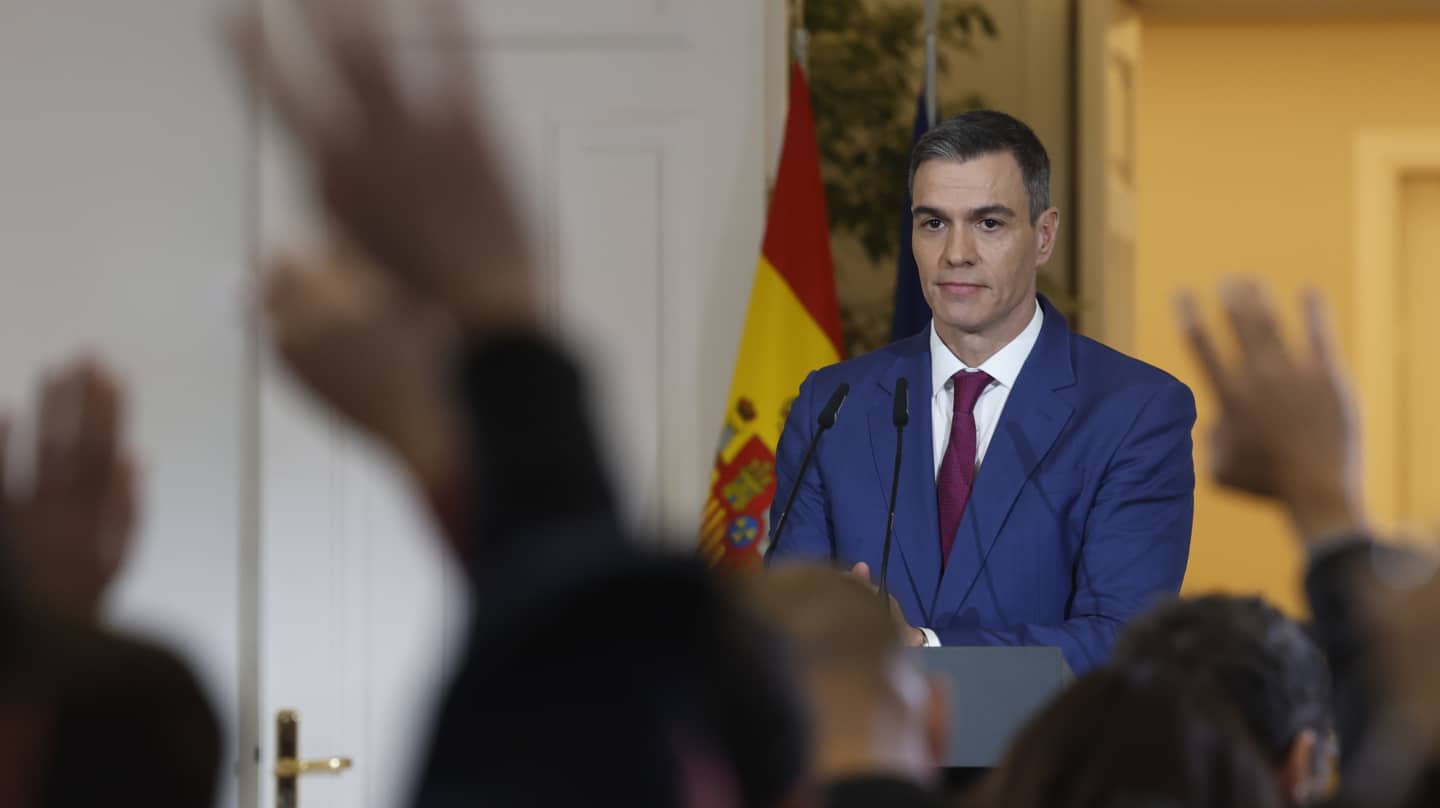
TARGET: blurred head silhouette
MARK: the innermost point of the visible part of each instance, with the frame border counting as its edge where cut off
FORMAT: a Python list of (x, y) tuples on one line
[(1116, 740), (1260, 661), (875, 712)]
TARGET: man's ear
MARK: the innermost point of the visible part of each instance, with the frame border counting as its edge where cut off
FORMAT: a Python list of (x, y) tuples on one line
[(1305, 774), (1047, 232), (937, 721)]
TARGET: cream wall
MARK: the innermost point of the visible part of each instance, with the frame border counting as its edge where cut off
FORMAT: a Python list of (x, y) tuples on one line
[(1245, 136)]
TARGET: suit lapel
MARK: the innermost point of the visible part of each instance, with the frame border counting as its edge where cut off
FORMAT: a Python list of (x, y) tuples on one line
[(1034, 416), (916, 538)]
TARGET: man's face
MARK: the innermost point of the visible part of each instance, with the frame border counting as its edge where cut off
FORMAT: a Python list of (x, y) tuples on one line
[(977, 250)]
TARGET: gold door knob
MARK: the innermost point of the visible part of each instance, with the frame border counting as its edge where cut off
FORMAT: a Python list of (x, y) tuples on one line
[(289, 766)]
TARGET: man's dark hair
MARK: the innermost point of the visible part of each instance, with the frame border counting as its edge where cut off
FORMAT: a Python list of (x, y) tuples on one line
[(982, 132), (1263, 662)]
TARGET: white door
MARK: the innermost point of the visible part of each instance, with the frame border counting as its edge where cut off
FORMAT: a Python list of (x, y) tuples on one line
[(639, 129)]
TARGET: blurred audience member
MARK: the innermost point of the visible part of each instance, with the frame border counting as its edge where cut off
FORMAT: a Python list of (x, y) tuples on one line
[(128, 723), (1287, 431), (1119, 740), (22, 724), (109, 719), (1259, 660), (593, 673), (880, 723)]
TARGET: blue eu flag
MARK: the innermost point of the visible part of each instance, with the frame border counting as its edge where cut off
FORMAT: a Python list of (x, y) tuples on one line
[(911, 312)]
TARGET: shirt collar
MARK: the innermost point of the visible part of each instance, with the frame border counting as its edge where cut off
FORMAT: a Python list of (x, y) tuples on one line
[(1004, 366)]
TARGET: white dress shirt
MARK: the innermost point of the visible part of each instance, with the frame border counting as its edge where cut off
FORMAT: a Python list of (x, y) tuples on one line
[(1004, 367)]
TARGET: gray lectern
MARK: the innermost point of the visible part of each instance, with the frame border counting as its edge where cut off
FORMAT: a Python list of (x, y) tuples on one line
[(993, 691)]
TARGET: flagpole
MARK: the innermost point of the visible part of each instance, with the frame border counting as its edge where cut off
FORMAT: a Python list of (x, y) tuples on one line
[(932, 22), (802, 35)]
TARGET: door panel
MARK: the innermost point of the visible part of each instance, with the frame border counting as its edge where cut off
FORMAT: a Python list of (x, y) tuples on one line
[(1419, 398)]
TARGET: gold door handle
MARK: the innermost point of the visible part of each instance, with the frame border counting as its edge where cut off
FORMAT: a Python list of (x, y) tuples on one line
[(289, 766)]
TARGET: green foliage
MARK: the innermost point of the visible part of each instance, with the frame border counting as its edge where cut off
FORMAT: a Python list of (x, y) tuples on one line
[(866, 67)]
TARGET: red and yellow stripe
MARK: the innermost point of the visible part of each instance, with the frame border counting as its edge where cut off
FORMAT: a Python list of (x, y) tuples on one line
[(792, 327)]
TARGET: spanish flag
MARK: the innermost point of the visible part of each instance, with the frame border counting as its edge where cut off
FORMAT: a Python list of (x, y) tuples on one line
[(792, 328)]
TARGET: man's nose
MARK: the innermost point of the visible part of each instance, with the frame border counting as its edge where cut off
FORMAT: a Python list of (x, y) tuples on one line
[(960, 247)]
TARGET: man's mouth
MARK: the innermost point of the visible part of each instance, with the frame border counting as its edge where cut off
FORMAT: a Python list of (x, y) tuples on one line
[(961, 288)]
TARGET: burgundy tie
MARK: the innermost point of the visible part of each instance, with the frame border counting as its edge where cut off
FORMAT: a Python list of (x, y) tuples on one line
[(957, 469)]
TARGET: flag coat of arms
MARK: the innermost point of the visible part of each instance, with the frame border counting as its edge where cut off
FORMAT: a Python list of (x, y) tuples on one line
[(791, 328)]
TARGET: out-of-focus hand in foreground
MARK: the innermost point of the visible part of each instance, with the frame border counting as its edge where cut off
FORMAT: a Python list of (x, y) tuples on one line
[(414, 179)]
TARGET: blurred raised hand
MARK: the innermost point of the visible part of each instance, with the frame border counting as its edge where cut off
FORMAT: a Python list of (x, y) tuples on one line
[(1286, 427), (373, 351), (71, 529), (413, 179)]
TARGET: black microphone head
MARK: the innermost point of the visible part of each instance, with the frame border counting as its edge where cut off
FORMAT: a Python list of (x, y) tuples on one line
[(827, 415), (902, 401)]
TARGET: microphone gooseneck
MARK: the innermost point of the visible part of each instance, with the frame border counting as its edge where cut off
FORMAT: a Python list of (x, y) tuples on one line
[(823, 422), (900, 416)]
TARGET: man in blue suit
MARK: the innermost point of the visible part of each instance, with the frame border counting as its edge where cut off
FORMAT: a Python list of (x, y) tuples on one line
[(1047, 485)]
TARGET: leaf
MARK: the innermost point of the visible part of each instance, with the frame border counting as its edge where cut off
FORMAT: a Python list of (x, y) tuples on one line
[(987, 24), (832, 15), (866, 67)]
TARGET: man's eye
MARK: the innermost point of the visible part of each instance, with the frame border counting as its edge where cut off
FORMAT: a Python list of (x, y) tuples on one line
[(932, 224), (991, 224)]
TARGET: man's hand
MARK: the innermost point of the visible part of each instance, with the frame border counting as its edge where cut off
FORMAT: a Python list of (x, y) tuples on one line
[(912, 636), (72, 529), (1287, 427), (416, 183), (375, 353)]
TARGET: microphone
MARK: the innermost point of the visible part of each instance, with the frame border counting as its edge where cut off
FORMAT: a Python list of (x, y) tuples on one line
[(900, 416), (824, 421)]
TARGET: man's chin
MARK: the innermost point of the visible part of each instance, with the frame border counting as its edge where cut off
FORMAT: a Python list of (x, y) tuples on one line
[(967, 321)]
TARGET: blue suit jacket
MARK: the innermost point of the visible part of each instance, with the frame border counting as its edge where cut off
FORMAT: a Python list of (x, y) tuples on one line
[(1081, 512)]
